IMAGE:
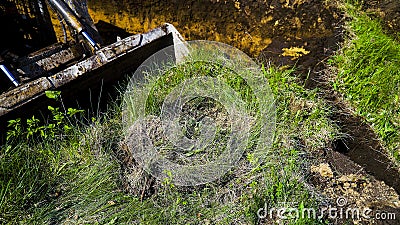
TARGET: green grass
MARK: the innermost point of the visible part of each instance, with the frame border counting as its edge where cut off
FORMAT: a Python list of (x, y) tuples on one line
[(369, 76), (71, 172)]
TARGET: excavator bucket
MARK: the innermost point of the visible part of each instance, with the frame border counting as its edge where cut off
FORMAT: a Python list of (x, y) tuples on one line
[(73, 67)]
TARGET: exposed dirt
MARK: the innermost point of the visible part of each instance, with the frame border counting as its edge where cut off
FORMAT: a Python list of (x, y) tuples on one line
[(363, 147), (388, 11), (364, 174), (249, 25), (262, 29), (356, 190), (318, 33), (357, 170)]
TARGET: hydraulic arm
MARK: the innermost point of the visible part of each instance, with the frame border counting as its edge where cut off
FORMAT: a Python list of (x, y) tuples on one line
[(72, 19)]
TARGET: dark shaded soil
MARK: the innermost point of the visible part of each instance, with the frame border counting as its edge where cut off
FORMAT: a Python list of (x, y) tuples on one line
[(248, 25), (364, 148), (388, 11), (359, 189), (110, 33), (318, 30), (361, 144)]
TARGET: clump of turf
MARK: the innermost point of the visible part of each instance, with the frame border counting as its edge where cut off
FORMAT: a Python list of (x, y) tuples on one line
[(369, 76)]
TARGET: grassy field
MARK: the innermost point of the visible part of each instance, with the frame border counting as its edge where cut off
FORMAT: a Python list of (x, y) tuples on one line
[(369, 75), (71, 173), (73, 170)]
